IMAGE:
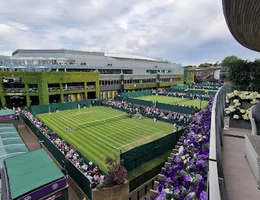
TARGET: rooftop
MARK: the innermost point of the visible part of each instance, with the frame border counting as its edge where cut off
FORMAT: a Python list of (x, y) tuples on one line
[(11, 143), (30, 171)]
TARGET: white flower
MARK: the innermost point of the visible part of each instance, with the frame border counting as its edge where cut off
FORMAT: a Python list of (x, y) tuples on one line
[(227, 101), (237, 104), (181, 149), (236, 117), (242, 111), (235, 101)]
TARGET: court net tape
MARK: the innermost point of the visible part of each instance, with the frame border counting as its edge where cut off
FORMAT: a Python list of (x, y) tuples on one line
[(101, 121)]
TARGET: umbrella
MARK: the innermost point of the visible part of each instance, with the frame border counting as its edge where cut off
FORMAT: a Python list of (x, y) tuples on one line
[(51, 58), (40, 58), (41, 67), (62, 59), (20, 67)]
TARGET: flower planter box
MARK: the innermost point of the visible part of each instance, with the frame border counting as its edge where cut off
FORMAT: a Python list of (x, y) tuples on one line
[(239, 123), (246, 105), (119, 192)]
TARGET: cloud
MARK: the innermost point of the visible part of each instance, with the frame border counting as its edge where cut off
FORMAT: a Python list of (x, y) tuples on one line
[(182, 31)]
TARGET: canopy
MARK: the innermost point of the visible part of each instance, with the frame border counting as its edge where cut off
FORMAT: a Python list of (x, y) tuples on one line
[(30, 171), (20, 67), (3, 67), (11, 143), (41, 67)]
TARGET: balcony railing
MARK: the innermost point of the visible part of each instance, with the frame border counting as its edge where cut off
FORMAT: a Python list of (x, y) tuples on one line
[(14, 90), (74, 88), (54, 89), (216, 181), (33, 90)]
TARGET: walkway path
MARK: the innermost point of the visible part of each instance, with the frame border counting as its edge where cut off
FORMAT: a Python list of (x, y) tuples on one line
[(32, 143), (239, 180)]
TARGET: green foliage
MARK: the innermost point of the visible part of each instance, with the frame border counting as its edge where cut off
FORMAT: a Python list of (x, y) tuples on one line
[(244, 75), (205, 65), (239, 75), (254, 75), (45, 78), (228, 61)]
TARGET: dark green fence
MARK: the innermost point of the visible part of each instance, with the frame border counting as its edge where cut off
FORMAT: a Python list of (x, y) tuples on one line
[(150, 116), (175, 108), (175, 90), (136, 182), (163, 106), (81, 180), (141, 154), (136, 94), (61, 106)]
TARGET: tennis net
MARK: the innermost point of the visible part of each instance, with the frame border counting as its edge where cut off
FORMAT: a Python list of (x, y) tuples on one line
[(101, 121)]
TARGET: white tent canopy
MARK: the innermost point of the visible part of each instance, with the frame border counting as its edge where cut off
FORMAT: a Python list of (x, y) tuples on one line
[(20, 67), (41, 67), (4, 67)]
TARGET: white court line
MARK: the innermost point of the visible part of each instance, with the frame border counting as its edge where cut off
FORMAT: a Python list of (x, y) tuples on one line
[(122, 130), (79, 113), (139, 140), (98, 137), (157, 129)]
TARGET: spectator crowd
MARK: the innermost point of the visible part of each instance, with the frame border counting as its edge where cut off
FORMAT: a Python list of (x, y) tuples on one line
[(150, 110), (204, 87), (190, 96), (92, 172)]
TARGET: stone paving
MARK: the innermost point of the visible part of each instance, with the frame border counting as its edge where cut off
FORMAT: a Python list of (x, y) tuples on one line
[(239, 180)]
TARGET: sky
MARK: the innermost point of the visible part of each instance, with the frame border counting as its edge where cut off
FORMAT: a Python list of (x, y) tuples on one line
[(180, 31)]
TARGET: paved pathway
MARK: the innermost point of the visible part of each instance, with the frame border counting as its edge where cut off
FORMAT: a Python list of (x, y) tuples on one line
[(32, 143), (239, 180)]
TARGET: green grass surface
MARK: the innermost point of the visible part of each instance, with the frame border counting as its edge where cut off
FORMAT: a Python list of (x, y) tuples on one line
[(96, 141), (174, 100)]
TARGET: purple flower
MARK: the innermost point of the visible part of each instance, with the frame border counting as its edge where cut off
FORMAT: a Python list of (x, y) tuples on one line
[(190, 195), (162, 196), (203, 195), (199, 177), (176, 191), (188, 177)]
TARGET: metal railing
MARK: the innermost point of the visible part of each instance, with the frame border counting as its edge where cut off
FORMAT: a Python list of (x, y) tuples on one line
[(216, 181)]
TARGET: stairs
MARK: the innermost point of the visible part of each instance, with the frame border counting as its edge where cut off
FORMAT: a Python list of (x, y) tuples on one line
[(153, 193)]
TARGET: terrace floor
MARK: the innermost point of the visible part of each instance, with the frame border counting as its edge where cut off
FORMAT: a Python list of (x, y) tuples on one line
[(239, 180)]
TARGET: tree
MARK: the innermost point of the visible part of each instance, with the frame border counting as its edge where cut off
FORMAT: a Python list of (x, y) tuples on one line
[(205, 65), (229, 61), (239, 74)]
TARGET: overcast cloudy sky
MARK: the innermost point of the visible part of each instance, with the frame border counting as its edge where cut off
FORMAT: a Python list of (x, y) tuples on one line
[(182, 31)]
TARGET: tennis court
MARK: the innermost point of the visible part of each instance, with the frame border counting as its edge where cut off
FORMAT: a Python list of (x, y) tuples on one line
[(174, 100), (99, 132)]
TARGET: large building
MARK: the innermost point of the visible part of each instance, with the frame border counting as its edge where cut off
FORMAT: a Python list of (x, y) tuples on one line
[(138, 64), (32, 77)]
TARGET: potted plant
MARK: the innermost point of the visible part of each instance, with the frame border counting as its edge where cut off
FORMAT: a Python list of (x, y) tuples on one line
[(115, 185)]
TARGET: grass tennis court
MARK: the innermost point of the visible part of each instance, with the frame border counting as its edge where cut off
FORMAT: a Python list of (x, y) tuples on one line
[(173, 100), (97, 138)]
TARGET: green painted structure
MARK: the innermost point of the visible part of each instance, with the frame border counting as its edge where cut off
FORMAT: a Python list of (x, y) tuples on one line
[(43, 79), (30, 171)]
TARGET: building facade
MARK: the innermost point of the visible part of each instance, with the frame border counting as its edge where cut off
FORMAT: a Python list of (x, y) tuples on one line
[(32, 77)]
